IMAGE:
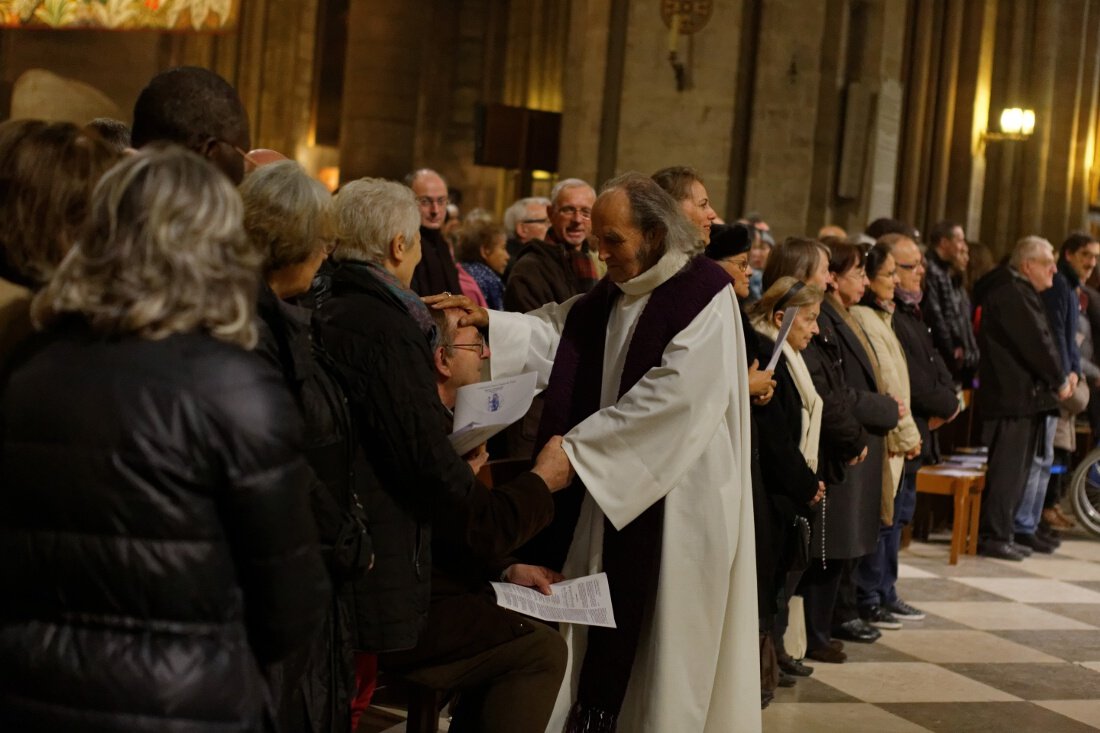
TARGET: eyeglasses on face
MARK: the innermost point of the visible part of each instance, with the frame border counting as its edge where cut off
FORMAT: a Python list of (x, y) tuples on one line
[(427, 201), (247, 158), (742, 265), (535, 221), (478, 347), (571, 211), (913, 266)]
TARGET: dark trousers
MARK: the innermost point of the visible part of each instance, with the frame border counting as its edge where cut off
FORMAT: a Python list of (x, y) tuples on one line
[(782, 614), (845, 608), (1011, 442), (818, 589), (877, 573), (510, 687)]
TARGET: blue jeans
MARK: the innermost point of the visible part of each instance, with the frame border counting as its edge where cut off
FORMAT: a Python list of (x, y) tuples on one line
[(1030, 507), (877, 573)]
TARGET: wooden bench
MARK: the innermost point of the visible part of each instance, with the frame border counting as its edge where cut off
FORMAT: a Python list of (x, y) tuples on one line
[(965, 486)]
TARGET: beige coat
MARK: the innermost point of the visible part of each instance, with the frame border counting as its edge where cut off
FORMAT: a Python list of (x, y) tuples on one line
[(877, 325)]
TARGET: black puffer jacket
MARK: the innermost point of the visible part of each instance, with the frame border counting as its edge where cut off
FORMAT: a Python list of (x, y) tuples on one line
[(156, 545)]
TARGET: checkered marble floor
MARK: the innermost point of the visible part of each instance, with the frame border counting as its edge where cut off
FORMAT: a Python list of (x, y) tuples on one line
[(1006, 646)]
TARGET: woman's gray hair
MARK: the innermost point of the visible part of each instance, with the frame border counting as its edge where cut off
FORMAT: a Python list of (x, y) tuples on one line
[(165, 254), (287, 214), (370, 212), (659, 217), (1029, 248)]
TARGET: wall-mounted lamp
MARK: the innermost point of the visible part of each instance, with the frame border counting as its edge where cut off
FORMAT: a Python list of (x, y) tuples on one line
[(1016, 124), (683, 18)]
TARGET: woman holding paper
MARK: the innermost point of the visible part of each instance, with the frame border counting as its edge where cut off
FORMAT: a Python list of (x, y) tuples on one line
[(791, 422)]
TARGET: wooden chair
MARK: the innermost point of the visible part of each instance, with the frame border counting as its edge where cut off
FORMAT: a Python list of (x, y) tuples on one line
[(965, 486)]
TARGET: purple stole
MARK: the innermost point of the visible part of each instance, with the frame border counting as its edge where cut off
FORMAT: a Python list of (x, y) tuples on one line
[(632, 556)]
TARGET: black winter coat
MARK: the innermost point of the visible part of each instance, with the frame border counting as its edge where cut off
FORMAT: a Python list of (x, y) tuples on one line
[(157, 545), (436, 272), (852, 505), (787, 481), (411, 472), (842, 435), (311, 689), (931, 388), (1020, 371)]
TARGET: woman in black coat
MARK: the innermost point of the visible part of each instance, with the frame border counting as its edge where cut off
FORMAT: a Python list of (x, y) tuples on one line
[(846, 528), (153, 488), (288, 216)]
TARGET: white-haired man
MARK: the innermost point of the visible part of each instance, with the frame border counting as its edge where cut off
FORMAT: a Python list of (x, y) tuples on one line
[(1021, 379), (555, 270), (526, 220)]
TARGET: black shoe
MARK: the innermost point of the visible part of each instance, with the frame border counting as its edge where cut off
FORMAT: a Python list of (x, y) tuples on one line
[(857, 630), (836, 644), (1035, 542), (1049, 534), (766, 697), (880, 618), (792, 666), (786, 680), (1022, 549), (904, 611), (1000, 550), (826, 654)]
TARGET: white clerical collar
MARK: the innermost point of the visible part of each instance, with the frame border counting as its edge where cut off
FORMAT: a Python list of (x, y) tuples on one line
[(669, 264)]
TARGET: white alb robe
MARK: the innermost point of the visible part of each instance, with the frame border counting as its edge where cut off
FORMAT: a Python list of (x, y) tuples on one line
[(682, 433)]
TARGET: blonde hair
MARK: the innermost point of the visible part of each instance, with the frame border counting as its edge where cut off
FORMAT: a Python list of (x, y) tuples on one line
[(287, 214), (764, 310), (370, 212), (165, 254)]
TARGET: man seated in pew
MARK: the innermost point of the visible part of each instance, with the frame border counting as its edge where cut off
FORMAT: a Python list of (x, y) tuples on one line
[(506, 668)]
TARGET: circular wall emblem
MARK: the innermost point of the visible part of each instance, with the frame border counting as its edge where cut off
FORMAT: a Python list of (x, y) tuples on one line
[(694, 14)]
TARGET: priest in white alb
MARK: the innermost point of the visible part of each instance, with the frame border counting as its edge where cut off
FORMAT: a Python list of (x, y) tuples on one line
[(645, 379)]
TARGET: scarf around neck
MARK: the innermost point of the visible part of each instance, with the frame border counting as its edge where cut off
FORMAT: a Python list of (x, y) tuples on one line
[(810, 436), (412, 303)]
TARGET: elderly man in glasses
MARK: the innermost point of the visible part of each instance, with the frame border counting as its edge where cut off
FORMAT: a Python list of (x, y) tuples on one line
[(555, 270)]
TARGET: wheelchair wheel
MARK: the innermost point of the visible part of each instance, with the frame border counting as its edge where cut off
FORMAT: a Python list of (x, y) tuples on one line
[(1084, 491)]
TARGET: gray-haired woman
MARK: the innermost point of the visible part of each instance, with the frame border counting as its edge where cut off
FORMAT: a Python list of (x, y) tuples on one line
[(157, 547), (289, 218)]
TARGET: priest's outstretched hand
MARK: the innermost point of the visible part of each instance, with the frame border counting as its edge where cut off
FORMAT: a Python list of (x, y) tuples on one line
[(475, 314), (552, 465)]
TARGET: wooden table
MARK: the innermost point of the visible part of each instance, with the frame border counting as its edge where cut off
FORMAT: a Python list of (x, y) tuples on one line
[(965, 486)]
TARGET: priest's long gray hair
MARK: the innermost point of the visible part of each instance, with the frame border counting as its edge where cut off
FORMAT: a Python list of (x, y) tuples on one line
[(658, 216), (165, 253)]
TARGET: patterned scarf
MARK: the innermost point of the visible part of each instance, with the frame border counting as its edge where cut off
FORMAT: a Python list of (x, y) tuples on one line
[(412, 302)]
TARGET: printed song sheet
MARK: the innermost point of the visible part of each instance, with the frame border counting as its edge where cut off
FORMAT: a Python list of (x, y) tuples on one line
[(584, 600), (484, 409)]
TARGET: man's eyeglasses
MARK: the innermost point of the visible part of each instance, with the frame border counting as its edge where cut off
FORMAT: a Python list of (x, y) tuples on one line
[(478, 347), (913, 266), (427, 201), (573, 210), (535, 221)]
